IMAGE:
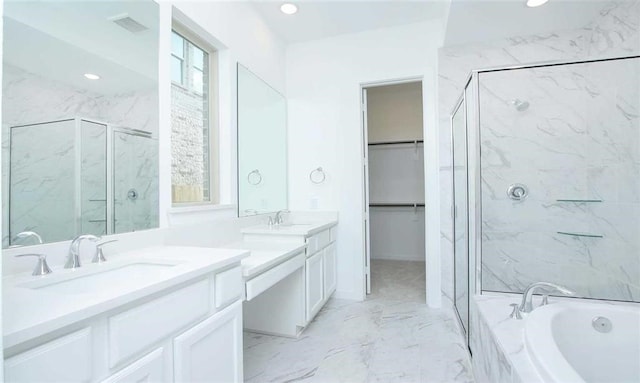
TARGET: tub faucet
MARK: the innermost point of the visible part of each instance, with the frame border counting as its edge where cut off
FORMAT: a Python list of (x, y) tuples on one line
[(73, 260), (526, 306)]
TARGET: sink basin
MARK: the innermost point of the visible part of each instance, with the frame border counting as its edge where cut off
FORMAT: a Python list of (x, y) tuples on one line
[(293, 225), (118, 276)]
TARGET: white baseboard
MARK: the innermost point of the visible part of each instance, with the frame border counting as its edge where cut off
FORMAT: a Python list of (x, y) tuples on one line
[(350, 295)]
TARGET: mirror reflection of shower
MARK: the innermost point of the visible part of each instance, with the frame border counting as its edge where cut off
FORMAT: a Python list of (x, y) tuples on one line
[(90, 161), (520, 105)]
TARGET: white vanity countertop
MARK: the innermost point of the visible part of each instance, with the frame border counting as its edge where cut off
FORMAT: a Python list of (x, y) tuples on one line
[(299, 229), (34, 306), (264, 255)]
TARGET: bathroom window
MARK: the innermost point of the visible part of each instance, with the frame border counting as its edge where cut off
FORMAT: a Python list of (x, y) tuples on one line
[(193, 126)]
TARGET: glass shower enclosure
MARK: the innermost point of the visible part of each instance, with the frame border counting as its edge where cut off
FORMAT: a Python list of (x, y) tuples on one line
[(78, 175), (548, 157)]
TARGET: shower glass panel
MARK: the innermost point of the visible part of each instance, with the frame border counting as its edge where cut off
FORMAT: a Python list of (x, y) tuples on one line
[(460, 214), (93, 168), (42, 170), (135, 181), (569, 136)]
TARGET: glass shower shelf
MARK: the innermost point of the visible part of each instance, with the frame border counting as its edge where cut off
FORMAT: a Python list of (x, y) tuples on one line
[(581, 234), (579, 200)]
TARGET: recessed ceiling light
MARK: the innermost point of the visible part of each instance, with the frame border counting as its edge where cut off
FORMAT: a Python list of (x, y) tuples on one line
[(535, 3), (288, 8), (92, 76)]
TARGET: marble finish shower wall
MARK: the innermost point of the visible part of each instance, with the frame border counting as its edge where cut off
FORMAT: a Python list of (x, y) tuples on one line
[(29, 98), (578, 140), (52, 158), (135, 169), (615, 32)]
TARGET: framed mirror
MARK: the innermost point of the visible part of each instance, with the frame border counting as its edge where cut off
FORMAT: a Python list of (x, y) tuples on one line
[(262, 146), (79, 119)]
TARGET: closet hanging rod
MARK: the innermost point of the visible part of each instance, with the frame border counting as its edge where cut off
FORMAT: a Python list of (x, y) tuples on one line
[(396, 142), (396, 204)]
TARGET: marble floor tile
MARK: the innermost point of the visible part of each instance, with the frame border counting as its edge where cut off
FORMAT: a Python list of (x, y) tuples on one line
[(391, 337)]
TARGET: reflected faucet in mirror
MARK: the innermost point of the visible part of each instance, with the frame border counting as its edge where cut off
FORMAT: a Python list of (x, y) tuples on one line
[(25, 235)]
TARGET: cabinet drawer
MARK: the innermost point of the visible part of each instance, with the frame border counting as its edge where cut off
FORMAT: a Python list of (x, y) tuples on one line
[(149, 368), (324, 237), (228, 287), (66, 359), (318, 242), (333, 234), (135, 330)]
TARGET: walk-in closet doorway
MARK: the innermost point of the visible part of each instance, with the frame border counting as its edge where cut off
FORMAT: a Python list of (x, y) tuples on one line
[(394, 191)]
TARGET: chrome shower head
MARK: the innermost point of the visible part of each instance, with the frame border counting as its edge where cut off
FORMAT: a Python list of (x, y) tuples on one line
[(520, 105)]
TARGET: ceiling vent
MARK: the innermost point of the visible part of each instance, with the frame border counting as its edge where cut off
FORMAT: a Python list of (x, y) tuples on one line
[(128, 23)]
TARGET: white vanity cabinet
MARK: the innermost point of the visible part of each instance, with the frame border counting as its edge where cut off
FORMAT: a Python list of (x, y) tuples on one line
[(329, 265), (65, 359), (186, 333), (320, 266), (314, 285), (212, 350), (321, 271)]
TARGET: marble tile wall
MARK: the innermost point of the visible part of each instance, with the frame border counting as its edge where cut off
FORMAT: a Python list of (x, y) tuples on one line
[(497, 342), (53, 157), (614, 32), (578, 140), (29, 98), (93, 179), (135, 168)]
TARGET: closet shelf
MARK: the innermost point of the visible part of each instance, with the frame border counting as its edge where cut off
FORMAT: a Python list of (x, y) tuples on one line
[(394, 204), (396, 142)]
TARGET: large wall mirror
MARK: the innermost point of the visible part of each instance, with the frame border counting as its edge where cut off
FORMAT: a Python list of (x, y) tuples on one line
[(262, 146), (79, 119)]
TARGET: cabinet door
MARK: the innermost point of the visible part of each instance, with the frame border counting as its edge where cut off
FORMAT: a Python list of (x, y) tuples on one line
[(66, 359), (314, 285), (149, 368), (330, 270), (211, 351)]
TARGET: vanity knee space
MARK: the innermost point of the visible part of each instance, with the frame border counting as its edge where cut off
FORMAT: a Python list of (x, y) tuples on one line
[(305, 287)]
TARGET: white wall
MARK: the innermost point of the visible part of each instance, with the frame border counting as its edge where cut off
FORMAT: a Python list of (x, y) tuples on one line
[(239, 34), (323, 91), (394, 112)]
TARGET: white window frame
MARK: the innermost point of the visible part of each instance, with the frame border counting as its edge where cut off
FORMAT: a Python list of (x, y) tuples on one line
[(213, 142)]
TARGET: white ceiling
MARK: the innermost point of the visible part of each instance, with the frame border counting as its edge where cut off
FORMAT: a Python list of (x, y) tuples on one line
[(320, 19), (63, 40), (489, 20)]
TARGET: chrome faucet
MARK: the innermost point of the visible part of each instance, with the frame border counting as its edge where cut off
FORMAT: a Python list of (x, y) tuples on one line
[(26, 234), (73, 259), (526, 306), (278, 220)]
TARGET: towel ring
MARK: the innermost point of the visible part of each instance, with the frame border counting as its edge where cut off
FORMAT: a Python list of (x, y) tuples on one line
[(257, 179), (317, 176)]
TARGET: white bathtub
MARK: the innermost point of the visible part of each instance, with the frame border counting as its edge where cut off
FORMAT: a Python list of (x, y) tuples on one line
[(564, 346)]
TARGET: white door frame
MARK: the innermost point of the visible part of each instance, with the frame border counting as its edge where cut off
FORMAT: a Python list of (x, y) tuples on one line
[(432, 200)]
